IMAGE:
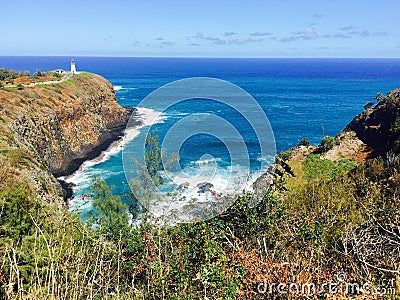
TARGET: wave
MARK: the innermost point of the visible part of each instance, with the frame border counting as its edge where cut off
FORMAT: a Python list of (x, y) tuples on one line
[(148, 117), (208, 161), (119, 87)]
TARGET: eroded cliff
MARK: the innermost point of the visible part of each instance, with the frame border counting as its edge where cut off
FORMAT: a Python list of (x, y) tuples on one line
[(48, 130)]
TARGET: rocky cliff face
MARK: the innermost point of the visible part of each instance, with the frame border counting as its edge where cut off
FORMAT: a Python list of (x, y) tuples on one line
[(379, 127), (58, 126), (374, 132)]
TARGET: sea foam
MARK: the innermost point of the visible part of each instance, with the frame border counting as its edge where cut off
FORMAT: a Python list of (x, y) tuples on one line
[(148, 117)]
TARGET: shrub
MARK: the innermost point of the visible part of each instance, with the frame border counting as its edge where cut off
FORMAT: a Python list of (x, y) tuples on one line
[(38, 73), (285, 155), (305, 142), (328, 143)]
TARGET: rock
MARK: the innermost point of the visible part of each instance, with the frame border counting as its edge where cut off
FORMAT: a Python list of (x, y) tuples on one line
[(183, 186), (378, 127), (204, 187), (59, 131)]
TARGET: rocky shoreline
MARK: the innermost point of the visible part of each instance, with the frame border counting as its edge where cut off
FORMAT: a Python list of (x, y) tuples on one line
[(49, 131), (114, 134)]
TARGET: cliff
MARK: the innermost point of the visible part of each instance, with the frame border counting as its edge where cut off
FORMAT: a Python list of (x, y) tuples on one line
[(379, 127), (48, 130), (373, 133)]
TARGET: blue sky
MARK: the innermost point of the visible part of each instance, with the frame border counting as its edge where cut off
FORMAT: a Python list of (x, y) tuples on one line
[(253, 28)]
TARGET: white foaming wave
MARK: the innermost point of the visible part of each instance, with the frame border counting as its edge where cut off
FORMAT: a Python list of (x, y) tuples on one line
[(225, 180), (119, 87), (148, 117), (207, 161)]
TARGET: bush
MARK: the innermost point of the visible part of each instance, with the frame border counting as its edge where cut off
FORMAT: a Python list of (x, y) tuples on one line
[(305, 142), (328, 143), (38, 73), (285, 155)]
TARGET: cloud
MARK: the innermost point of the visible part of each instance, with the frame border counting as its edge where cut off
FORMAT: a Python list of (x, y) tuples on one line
[(366, 33), (341, 35), (165, 43), (194, 44), (230, 33), (317, 16), (240, 40), (289, 39), (379, 34), (226, 41), (344, 33), (160, 38), (260, 33), (348, 27), (308, 34), (136, 43)]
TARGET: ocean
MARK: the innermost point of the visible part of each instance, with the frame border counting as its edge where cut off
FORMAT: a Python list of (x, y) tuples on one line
[(301, 98)]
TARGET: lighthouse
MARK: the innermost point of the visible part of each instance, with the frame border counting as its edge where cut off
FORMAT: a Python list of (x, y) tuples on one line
[(73, 68)]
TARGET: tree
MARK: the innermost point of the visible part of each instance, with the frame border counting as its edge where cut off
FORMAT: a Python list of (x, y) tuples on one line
[(328, 143), (305, 142), (148, 176), (38, 73), (109, 207)]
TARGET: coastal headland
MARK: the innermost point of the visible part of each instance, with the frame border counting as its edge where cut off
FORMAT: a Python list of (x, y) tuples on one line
[(48, 130)]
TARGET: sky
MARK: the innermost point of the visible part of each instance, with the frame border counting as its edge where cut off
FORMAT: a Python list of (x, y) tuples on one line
[(207, 28)]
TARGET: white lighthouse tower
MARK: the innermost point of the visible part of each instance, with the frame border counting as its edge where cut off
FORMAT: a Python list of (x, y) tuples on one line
[(73, 67)]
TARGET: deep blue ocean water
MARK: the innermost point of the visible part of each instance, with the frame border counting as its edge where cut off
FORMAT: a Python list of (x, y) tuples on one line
[(301, 97)]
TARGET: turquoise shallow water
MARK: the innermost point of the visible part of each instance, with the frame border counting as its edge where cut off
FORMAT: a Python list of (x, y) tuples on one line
[(301, 98)]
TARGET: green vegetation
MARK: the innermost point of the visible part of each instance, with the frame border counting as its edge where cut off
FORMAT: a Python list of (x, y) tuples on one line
[(327, 143), (84, 75), (325, 217), (148, 176), (9, 75), (304, 142), (285, 155), (332, 207), (38, 73)]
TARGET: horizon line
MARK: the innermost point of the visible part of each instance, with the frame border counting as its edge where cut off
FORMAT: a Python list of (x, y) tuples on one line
[(206, 57)]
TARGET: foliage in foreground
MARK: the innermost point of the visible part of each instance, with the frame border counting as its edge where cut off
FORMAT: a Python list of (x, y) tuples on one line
[(340, 218)]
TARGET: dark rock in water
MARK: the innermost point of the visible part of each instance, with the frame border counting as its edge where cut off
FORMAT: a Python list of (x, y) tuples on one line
[(204, 187), (183, 186), (67, 189)]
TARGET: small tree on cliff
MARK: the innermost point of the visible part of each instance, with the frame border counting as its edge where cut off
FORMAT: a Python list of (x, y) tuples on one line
[(148, 176), (110, 208)]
